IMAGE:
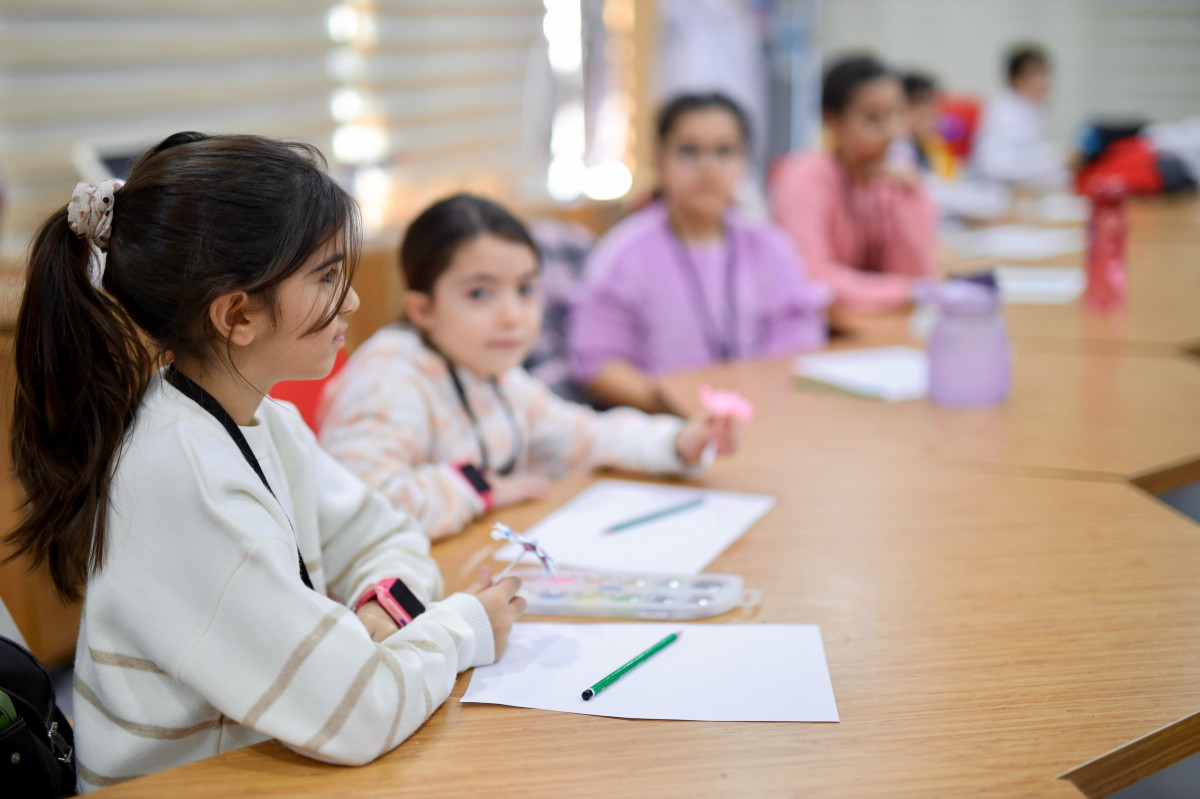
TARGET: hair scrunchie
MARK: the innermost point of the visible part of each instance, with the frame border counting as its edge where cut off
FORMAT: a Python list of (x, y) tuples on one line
[(90, 211)]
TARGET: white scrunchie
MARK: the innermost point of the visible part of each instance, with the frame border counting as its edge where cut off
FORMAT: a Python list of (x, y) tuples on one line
[(90, 211)]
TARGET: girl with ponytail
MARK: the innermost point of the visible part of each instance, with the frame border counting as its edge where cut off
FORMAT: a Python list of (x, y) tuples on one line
[(240, 585)]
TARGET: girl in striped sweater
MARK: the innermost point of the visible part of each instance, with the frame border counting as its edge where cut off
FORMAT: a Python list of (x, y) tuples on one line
[(240, 584), (439, 415)]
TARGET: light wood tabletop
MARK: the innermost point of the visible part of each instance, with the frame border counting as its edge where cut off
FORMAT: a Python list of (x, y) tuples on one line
[(994, 624), (1161, 316), (985, 634), (1083, 414)]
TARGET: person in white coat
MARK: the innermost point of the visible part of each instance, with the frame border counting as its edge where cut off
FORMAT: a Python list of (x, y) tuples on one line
[(1011, 145)]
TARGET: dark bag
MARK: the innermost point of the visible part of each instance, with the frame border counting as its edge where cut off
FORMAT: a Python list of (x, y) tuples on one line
[(37, 747)]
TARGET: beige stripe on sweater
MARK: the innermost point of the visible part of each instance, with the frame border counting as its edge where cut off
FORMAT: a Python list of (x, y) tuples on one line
[(142, 730), (394, 668), (342, 711), (123, 661), (99, 780), (293, 664)]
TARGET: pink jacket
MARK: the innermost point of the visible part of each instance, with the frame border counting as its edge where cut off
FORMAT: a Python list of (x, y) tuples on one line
[(869, 240)]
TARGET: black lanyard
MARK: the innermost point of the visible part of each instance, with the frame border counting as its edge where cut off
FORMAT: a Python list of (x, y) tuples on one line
[(507, 468), (209, 403), (720, 347)]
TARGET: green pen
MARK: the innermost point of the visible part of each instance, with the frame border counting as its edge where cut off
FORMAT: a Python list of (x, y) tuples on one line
[(655, 515), (621, 672)]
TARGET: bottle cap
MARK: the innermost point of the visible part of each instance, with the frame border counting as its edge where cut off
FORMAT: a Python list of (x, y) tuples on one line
[(967, 298), (1109, 191)]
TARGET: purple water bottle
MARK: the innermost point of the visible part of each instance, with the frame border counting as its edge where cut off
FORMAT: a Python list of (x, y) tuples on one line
[(970, 358)]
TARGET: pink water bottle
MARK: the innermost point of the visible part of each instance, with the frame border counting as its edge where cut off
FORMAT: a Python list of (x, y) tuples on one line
[(1106, 273)]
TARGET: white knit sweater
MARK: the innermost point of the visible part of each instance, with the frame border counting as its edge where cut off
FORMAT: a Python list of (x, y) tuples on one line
[(198, 635)]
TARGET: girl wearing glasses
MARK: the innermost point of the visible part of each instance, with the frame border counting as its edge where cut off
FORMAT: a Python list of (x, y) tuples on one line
[(689, 281)]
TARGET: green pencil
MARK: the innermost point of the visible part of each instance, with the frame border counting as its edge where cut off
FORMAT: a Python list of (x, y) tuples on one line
[(637, 661), (658, 514)]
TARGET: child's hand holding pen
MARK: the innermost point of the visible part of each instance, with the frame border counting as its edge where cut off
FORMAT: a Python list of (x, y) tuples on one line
[(719, 425), (501, 602), (705, 436)]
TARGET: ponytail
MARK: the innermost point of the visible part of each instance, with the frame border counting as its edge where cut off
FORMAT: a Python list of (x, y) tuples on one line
[(200, 216), (82, 369)]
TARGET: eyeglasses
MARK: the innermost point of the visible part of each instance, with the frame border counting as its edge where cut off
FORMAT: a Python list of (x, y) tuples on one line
[(691, 154)]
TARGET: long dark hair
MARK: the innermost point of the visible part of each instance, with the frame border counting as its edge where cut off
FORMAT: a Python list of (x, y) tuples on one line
[(441, 229), (200, 216)]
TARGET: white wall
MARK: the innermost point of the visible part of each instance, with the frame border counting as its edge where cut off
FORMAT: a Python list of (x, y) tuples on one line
[(1110, 56)]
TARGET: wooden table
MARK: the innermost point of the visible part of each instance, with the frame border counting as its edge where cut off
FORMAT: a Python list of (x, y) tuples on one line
[(1000, 606), (985, 634), (1163, 311), (1104, 417)]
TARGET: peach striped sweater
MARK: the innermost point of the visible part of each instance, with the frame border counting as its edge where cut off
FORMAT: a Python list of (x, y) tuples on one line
[(393, 417)]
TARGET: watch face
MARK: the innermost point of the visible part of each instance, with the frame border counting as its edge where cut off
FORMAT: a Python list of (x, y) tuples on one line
[(406, 598), (475, 478)]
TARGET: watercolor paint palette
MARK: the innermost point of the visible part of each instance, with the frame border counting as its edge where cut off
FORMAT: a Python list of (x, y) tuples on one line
[(640, 596)]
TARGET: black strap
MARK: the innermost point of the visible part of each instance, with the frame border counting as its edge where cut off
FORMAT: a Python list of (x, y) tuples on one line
[(475, 478), (507, 468), (209, 403), (720, 347)]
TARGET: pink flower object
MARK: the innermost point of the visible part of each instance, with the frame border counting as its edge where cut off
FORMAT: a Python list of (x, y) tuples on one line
[(728, 404)]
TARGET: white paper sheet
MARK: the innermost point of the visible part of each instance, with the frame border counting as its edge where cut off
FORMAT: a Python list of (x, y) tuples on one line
[(712, 672), (681, 543), (1040, 285), (1055, 208), (1017, 242), (892, 374)]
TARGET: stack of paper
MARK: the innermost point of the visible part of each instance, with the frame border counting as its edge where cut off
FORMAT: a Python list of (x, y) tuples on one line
[(1042, 285), (892, 374), (1017, 242), (712, 672), (1055, 208), (677, 543)]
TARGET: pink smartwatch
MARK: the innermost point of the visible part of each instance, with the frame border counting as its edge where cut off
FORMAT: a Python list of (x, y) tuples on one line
[(395, 598)]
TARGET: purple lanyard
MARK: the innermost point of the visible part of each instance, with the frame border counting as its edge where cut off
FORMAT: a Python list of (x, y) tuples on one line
[(720, 347)]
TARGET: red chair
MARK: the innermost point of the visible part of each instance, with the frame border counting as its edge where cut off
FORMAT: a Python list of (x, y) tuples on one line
[(958, 119), (306, 394)]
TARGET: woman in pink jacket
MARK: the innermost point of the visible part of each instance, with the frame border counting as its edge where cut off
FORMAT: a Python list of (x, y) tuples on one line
[(865, 226)]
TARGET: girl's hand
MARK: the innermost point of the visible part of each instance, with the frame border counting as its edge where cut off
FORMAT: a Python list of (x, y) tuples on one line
[(378, 623), (897, 173), (516, 488), (703, 428), (502, 604)]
